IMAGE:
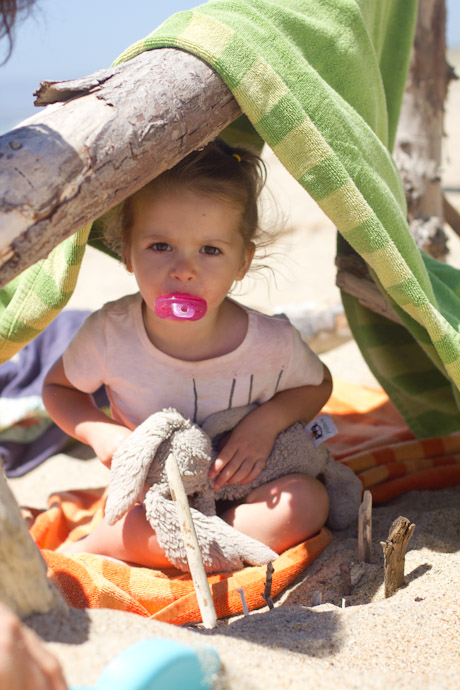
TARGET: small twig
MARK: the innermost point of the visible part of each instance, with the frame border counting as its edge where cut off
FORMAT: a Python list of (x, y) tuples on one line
[(365, 528), (317, 598), (394, 551), (243, 601), (267, 595), (192, 547)]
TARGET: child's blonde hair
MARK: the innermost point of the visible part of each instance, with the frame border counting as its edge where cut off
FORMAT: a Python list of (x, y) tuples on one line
[(233, 174)]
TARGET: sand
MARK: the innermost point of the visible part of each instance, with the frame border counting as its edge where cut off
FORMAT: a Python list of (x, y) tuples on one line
[(410, 640), (356, 638)]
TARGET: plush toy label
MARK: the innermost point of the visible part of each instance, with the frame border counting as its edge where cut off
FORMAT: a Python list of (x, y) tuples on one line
[(321, 428)]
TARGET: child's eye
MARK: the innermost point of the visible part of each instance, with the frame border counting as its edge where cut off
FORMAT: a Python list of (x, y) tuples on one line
[(160, 247), (211, 251)]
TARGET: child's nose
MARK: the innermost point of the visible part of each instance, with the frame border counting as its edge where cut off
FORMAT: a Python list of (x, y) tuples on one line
[(183, 269)]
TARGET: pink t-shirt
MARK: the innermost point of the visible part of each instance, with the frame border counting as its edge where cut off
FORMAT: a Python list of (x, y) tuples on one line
[(112, 347)]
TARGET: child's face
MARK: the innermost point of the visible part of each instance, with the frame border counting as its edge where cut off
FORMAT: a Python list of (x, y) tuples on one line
[(184, 242)]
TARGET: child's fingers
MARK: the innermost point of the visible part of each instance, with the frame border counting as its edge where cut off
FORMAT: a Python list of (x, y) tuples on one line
[(226, 455), (254, 473), (240, 473), (239, 459), (238, 470), (226, 469), (248, 470), (217, 467)]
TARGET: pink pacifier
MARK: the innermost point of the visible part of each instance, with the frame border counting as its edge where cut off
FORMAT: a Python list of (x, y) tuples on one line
[(179, 306)]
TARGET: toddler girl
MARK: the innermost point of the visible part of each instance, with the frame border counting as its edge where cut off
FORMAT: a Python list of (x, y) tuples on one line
[(182, 342)]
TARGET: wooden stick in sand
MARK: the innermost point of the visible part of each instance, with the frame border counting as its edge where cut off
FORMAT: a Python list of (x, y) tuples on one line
[(365, 528), (317, 598), (192, 548), (267, 595), (394, 551)]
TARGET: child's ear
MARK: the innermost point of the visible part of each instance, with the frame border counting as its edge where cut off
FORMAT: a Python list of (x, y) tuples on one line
[(247, 260)]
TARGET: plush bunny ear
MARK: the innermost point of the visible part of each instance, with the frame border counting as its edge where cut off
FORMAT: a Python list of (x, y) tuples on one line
[(223, 548), (131, 462)]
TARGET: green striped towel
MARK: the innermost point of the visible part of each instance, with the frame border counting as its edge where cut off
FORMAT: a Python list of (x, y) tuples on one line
[(34, 298), (321, 82)]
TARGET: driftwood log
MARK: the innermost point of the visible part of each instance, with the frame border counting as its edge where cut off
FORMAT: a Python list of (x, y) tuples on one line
[(104, 137), (24, 586), (418, 143), (394, 552)]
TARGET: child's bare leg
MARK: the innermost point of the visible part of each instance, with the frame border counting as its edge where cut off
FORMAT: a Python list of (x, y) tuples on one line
[(131, 539), (280, 514), (283, 512)]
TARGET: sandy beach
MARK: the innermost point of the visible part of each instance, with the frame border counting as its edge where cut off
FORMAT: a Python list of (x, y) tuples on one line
[(408, 641), (356, 638)]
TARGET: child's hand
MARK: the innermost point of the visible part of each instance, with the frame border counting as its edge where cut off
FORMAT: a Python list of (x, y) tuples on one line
[(245, 453)]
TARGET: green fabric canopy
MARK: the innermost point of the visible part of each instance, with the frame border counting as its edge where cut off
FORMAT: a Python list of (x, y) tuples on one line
[(321, 82)]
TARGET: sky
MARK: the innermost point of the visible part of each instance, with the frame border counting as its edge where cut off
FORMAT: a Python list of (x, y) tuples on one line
[(65, 39)]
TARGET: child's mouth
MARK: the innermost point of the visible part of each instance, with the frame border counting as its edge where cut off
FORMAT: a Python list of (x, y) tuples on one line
[(179, 307)]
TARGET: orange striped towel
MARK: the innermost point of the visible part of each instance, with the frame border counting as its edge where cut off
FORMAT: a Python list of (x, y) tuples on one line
[(376, 444), (89, 581)]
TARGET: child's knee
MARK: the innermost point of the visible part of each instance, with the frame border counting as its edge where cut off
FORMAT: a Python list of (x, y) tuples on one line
[(308, 502), (300, 500)]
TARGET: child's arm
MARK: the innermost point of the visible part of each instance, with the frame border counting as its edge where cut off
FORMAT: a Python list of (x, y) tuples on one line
[(244, 455), (78, 415)]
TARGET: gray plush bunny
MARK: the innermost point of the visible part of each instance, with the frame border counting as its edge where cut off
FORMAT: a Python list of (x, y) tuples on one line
[(140, 462)]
